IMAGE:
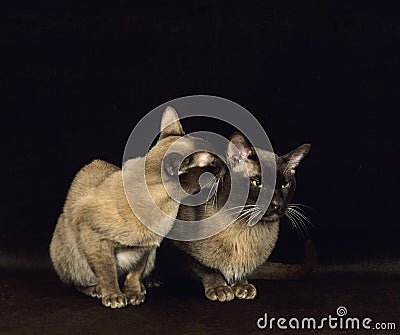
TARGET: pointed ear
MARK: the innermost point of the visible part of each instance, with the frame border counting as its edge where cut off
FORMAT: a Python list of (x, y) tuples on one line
[(239, 148), (293, 158), (170, 125)]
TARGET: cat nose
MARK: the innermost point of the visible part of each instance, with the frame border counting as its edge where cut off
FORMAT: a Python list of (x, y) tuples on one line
[(277, 205)]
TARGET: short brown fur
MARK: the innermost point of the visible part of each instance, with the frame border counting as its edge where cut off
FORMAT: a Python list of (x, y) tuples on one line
[(98, 237), (223, 262)]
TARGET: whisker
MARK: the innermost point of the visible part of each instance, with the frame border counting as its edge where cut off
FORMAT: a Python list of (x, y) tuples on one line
[(249, 211), (294, 224), (240, 211), (297, 208), (242, 215), (253, 216), (300, 226), (212, 180), (211, 191), (301, 212), (300, 221), (306, 219), (215, 200), (301, 205), (245, 213), (302, 215), (241, 206)]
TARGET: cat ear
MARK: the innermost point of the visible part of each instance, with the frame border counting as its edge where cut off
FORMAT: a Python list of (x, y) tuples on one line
[(293, 158), (239, 148), (170, 125)]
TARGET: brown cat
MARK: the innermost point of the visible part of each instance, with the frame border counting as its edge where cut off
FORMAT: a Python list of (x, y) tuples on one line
[(225, 261), (98, 238)]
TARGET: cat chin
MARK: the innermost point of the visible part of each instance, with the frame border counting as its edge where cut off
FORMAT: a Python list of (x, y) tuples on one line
[(271, 218)]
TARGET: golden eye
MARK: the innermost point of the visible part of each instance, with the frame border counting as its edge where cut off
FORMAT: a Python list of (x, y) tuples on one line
[(287, 185), (256, 183)]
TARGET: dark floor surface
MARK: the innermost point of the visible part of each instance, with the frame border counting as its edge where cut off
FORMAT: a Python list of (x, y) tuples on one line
[(33, 301)]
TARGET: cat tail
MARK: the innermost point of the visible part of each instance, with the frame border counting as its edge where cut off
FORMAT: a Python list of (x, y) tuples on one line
[(270, 270)]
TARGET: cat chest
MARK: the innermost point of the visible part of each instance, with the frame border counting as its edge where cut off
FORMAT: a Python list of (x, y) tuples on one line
[(127, 258), (242, 260), (240, 256)]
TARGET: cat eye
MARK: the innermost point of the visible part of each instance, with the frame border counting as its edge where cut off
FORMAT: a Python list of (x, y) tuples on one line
[(256, 183), (287, 184)]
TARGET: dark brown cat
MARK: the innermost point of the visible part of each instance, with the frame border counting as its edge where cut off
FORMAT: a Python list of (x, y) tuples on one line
[(225, 261), (98, 237)]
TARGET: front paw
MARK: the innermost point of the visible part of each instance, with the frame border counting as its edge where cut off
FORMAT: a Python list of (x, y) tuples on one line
[(135, 297), (220, 293), (116, 300), (244, 291), (153, 280), (92, 291)]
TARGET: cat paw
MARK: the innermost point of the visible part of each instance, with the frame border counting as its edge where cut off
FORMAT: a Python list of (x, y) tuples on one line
[(114, 300), (244, 291), (135, 297), (220, 293), (91, 291), (153, 281)]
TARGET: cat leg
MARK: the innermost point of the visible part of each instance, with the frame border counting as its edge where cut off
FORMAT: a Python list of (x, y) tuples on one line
[(134, 289), (151, 276), (215, 286), (243, 290), (101, 258)]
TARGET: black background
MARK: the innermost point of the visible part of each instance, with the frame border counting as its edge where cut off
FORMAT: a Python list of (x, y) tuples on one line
[(76, 78)]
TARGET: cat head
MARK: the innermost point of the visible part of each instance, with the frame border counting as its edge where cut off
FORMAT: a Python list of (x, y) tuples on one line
[(185, 157), (244, 159)]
